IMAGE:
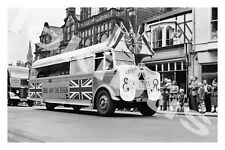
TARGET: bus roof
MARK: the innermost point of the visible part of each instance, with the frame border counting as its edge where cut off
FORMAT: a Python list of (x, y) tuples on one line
[(66, 57), (18, 72)]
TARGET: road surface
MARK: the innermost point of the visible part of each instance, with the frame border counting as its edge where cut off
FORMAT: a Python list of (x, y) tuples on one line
[(36, 124)]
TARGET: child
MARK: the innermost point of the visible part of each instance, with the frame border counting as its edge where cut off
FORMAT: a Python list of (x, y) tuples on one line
[(201, 96), (181, 100)]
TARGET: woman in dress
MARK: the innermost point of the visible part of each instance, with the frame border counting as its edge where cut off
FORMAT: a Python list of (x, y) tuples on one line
[(214, 94), (193, 93)]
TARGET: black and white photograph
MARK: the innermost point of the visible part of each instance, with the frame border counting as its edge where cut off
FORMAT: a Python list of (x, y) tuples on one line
[(104, 74)]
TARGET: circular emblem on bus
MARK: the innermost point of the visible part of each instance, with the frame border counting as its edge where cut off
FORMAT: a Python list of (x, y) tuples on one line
[(133, 42)]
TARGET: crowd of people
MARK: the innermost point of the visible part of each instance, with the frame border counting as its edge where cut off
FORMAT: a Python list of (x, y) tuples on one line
[(200, 96)]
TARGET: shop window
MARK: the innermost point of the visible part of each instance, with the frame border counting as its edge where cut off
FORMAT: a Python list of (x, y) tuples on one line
[(159, 67), (152, 67), (178, 65), (169, 36), (171, 65), (214, 23), (209, 68), (165, 67), (184, 65), (157, 37)]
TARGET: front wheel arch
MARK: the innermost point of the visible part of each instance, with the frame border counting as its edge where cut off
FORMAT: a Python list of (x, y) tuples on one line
[(110, 105), (100, 89)]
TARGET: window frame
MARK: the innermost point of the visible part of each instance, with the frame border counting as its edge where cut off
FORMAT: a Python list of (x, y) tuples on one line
[(72, 65), (213, 22), (157, 42), (169, 37), (49, 71)]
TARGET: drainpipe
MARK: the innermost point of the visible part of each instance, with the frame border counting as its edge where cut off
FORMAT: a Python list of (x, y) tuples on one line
[(194, 39)]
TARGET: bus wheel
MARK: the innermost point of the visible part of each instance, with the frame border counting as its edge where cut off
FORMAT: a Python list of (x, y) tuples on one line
[(145, 110), (76, 108), (105, 105), (30, 103), (50, 106)]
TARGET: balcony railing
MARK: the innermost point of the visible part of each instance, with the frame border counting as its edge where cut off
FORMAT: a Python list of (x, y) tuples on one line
[(112, 13)]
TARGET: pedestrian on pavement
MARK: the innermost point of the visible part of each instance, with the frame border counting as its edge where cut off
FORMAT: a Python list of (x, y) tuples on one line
[(193, 92), (208, 90), (161, 100), (174, 89), (201, 97), (165, 94), (181, 100), (214, 94)]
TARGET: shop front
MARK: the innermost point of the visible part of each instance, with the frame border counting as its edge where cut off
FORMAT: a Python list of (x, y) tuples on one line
[(171, 63), (208, 64), (175, 70)]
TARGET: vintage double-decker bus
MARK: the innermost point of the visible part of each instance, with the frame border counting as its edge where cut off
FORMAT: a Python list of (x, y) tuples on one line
[(104, 76), (98, 76), (18, 83)]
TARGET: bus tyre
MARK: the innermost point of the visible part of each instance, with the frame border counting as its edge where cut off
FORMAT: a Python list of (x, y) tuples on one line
[(30, 103), (104, 104), (145, 110), (50, 106), (76, 108)]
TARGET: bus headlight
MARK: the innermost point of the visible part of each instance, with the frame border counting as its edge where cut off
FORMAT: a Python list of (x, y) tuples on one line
[(17, 91)]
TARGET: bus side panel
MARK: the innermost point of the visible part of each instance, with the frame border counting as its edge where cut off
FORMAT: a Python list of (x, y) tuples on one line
[(70, 89), (108, 78), (80, 88)]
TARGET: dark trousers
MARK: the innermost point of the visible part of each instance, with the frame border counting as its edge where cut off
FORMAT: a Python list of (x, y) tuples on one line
[(193, 104), (208, 102), (166, 101)]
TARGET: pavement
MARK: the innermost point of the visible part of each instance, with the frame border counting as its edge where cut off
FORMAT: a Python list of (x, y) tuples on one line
[(187, 111)]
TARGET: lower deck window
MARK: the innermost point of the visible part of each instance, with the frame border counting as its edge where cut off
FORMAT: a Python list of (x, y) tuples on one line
[(54, 70)]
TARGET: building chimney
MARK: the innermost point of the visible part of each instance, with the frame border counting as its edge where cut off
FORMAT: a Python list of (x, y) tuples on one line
[(46, 24), (70, 10)]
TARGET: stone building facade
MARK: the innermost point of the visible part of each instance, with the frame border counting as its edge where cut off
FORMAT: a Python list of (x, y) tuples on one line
[(205, 44), (171, 39), (93, 26)]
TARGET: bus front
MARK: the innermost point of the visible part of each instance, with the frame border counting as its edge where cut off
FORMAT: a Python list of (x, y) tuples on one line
[(138, 85), (131, 85)]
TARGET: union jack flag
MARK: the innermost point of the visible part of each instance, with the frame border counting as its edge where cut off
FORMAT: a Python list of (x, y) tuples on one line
[(81, 89), (35, 90)]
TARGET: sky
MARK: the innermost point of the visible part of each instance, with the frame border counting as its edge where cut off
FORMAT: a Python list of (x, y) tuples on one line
[(26, 24)]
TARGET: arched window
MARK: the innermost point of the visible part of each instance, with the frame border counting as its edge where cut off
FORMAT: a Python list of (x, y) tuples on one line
[(157, 37), (169, 35), (103, 38), (87, 43)]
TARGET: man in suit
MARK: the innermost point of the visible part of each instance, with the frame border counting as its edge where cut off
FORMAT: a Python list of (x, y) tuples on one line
[(208, 92)]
